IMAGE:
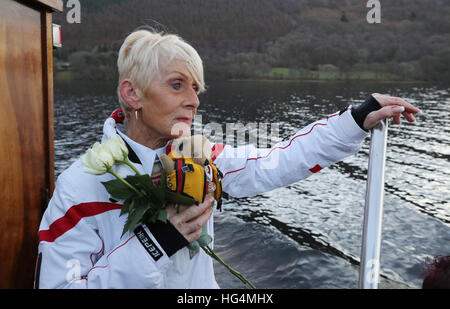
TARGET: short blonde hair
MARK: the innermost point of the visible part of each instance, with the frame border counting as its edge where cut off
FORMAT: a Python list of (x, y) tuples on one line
[(142, 54)]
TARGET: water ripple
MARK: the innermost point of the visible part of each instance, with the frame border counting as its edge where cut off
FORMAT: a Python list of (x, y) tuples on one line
[(308, 234)]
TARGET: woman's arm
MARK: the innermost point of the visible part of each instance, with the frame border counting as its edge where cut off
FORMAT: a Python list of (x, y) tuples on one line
[(249, 171)]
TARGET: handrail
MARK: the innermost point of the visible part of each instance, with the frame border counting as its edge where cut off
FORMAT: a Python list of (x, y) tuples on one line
[(373, 212)]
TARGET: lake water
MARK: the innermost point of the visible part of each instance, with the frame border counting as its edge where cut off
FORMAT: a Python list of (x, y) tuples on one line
[(308, 234)]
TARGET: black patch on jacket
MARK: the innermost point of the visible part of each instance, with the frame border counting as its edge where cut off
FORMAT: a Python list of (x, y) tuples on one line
[(147, 243)]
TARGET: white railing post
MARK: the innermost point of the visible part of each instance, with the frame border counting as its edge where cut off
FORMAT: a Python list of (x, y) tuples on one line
[(373, 212)]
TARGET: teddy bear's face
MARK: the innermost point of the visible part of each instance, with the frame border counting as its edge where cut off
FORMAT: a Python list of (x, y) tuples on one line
[(196, 147)]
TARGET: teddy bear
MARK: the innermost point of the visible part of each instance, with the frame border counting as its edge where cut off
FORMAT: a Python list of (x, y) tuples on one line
[(190, 171)]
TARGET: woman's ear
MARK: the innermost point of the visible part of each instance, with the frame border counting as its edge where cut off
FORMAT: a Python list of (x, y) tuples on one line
[(130, 94)]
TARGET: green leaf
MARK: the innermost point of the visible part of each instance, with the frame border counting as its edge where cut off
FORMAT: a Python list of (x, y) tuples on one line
[(127, 206), (136, 215), (176, 198), (144, 182), (162, 215), (117, 189), (159, 194)]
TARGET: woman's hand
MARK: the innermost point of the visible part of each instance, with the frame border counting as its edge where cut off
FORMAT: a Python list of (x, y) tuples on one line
[(190, 222), (391, 107)]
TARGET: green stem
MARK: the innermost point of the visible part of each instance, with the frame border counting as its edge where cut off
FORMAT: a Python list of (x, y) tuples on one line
[(111, 171), (127, 162), (212, 254)]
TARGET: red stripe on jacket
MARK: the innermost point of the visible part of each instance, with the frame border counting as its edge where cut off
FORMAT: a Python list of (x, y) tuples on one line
[(216, 151), (290, 142), (73, 216)]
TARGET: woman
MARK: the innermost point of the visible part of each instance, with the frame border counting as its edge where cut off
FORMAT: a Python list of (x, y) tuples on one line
[(160, 77)]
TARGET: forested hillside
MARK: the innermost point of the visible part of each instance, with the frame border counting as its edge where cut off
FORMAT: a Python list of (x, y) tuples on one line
[(272, 38)]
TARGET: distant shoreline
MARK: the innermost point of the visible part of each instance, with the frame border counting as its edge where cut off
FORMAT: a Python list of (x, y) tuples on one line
[(327, 80), (65, 76), (291, 74)]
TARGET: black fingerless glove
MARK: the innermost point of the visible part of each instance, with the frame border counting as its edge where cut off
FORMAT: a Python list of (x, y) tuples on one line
[(168, 236), (360, 113)]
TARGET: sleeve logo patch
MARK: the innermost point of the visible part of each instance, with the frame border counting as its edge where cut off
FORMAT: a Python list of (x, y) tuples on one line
[(147, 243)]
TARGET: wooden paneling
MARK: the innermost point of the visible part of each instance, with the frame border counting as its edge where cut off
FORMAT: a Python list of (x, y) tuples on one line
[(26, 135), (53, 4), (47, 56)]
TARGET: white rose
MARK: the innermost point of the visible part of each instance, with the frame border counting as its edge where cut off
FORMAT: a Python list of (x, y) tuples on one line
[(117, 148), (97, 160)]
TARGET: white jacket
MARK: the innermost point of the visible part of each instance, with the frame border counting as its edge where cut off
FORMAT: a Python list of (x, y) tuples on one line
[(80, 243)]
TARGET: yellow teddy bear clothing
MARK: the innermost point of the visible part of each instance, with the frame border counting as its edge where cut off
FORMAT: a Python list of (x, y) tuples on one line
[(193, 180), (186, 177)]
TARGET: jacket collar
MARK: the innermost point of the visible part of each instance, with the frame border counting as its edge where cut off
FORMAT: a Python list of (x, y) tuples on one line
[(132, 155), (137, 153)]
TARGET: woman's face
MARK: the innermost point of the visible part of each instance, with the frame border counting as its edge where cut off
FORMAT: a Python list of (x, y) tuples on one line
[(170, 103)]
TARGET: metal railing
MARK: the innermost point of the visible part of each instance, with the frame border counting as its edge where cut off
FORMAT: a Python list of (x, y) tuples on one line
[(373, 213)]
